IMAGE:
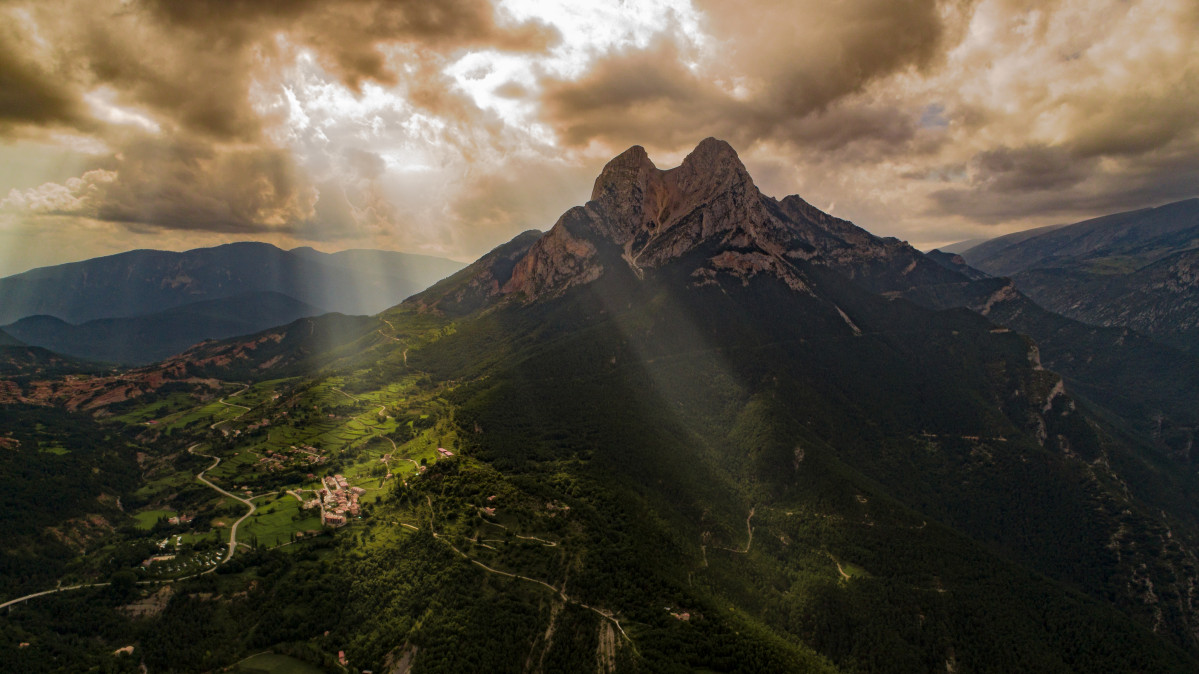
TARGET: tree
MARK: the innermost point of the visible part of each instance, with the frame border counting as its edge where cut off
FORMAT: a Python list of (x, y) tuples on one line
[(123, 584)]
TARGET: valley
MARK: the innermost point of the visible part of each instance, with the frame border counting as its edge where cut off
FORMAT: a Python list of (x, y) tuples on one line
[(726, 456)]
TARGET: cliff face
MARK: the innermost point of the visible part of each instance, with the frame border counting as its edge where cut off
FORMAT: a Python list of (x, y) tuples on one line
[(647, 218)]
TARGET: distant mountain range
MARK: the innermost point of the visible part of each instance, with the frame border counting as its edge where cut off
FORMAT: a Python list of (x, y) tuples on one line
[(1138, 269), (139, 340), (142, 306), (8, 340), (147, 281)]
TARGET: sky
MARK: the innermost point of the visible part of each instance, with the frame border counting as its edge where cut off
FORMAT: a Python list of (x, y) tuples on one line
[(446, 127)]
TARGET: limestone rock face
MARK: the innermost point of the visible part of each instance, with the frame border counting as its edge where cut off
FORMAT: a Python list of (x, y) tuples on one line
[(709, 209), (558, 260)]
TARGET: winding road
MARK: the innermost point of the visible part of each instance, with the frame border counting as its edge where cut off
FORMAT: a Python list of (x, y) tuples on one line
[(229, 555), (216, 460), (27, 597), (749, 527), (243, 407)]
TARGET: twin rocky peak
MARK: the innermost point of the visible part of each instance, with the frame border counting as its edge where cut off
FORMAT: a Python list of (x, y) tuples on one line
[(707, 213)]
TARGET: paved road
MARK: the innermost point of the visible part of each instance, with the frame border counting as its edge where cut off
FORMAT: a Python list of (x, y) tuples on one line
[(229, 555), (216, 460), (27, 597), (243, 407)]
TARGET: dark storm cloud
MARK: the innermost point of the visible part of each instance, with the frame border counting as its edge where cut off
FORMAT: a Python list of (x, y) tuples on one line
[(1008, 184), (193, 63), (348, 34), (1028, 169), (772, 73), (638, 96), (32, 93), (184, 186)]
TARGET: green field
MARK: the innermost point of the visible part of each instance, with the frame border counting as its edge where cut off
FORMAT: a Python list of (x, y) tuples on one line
[(273, 523), (170, 483), (273, 663), (146, 519)]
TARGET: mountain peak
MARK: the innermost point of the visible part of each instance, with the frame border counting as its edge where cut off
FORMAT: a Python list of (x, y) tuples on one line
[(629, 166), (640, 200), (706, 210), (712, 155)]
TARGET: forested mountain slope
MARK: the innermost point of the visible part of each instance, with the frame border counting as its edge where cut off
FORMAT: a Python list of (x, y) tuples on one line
[(690, 427)]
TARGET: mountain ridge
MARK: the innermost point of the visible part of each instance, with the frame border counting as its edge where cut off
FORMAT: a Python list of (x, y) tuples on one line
[(1135, 269), (150, 337), (641, 217), (637, 410), (148, 281)]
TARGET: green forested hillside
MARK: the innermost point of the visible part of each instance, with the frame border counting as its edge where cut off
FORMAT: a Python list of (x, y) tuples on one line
[(696, 449)]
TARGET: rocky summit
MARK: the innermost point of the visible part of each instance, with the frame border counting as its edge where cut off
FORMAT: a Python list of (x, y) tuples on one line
[(707, 213)]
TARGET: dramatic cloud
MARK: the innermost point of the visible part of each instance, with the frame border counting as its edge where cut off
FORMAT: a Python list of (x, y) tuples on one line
[(447, 126), (182, 186), (31, 92), (760, 74)]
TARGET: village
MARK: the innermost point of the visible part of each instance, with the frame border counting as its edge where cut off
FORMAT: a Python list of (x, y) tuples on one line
[(337, 500)]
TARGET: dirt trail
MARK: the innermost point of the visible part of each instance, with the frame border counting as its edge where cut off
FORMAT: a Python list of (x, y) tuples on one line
[(605, 650), (749, 527), (382, 408), (384, 334), (607, 615), (548, 544)]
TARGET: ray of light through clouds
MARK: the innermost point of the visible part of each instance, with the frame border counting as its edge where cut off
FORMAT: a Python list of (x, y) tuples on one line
[(446, 127)]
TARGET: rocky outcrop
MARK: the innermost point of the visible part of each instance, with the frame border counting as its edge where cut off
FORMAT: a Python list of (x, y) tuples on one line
[(647, 218), (558, 260), (477, 285)]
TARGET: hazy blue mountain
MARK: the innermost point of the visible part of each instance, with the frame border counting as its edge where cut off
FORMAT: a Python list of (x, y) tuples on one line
[(990, 246), (8, 340), (138, 340), (962, 246), (1136, 269), (1119, 242), (147, 281)]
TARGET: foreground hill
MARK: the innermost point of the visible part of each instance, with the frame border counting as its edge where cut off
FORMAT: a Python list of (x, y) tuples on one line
[(144, 339), (691, 427), (147, 281), (1134, 269)]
